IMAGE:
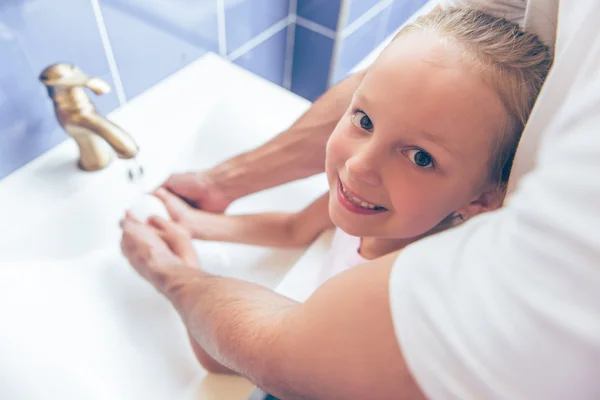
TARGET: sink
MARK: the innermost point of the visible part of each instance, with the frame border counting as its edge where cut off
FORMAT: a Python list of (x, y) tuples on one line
[(89, 328), (77, 322)]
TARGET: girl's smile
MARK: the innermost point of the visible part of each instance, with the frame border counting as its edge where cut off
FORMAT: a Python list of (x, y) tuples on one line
[(356, 204)]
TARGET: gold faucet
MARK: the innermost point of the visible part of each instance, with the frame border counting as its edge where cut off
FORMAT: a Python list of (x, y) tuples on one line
[(76, 113)]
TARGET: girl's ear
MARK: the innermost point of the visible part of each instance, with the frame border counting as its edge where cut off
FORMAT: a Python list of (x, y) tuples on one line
[(490, 199)]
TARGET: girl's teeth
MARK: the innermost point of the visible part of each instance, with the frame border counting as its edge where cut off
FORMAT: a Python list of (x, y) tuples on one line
[(356, 201)]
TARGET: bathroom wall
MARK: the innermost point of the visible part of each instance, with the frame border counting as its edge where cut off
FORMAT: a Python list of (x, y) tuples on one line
[(333, 36), (302, 45)]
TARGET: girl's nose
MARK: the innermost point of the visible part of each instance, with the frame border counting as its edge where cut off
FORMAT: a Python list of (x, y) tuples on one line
[(361, 168)]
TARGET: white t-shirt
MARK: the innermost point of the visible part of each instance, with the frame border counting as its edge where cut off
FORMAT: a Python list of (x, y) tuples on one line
[(343, 255), (508, 304), (312, 269)]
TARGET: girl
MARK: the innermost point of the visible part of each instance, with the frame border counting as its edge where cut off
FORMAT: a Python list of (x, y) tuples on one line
[(427, 143)]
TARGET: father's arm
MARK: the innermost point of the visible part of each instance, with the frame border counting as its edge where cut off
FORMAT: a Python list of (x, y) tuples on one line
[(340, 344), (297, 153)]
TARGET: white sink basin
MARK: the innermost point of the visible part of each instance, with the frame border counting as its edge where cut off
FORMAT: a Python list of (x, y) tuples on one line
[(77, 322), (89, 329)]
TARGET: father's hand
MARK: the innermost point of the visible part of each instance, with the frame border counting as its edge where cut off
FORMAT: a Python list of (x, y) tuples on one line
[(199, 190), (155, 247)]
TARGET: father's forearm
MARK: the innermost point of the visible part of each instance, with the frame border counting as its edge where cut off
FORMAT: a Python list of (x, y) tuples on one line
[(297, 153), (227, 317)]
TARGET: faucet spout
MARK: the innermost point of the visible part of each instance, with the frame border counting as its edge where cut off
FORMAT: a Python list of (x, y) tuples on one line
[(120, 141)]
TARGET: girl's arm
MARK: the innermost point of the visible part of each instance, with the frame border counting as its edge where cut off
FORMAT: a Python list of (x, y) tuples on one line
[(267, 229)]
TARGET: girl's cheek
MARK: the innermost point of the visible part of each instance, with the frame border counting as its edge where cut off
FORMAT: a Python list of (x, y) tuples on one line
[(399, 197), (405, 191), (338, 147)]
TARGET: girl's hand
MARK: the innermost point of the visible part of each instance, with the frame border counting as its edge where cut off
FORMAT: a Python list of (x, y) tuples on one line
[(156, 246), (197, 223)]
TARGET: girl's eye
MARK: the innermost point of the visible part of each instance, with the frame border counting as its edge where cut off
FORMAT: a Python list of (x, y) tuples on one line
[(362, 120), (420, 158)]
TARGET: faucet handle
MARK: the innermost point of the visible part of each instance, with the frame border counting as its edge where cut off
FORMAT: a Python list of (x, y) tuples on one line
[(68, 75), (98, 86)]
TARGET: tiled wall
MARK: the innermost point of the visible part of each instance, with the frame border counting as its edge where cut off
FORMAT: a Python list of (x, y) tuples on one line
[(34, 34), (303, 45), (333, 36)]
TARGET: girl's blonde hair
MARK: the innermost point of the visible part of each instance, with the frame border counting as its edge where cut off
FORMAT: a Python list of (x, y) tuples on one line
[(515, 63)]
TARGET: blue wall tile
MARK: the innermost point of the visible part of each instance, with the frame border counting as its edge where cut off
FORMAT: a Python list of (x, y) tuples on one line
[(244, 19), (268, 58), (324, 12), (153, 40), (312, 62), (34, 35), (191, 20), (356, 8), (358, 45), (400, 12)]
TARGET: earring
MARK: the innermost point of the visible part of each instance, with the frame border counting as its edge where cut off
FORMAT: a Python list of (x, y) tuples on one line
[(459, 216)]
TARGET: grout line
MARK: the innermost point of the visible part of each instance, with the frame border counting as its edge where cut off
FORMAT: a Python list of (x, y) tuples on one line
[(288, 67), (108, 51), (337, 44), (221, 29), (259, 39), (318, 28), (383, 23), (366, 17), (426, 8)]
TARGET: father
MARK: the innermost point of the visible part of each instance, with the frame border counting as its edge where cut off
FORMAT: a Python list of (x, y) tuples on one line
[(507, 306)]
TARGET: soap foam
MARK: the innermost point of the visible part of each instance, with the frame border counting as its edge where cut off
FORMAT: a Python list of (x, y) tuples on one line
[(148, 206), (210, 254)]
